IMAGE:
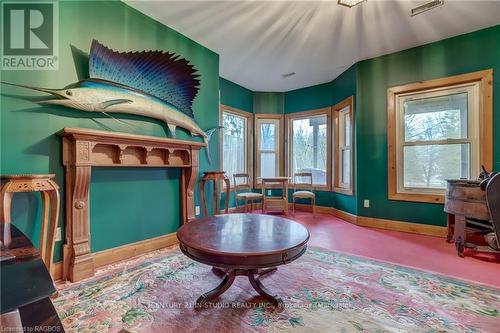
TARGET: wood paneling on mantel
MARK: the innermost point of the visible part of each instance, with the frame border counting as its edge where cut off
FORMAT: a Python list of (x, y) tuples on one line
[(85, 148)]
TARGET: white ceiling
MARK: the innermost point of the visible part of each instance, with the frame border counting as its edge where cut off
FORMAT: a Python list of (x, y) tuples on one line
[(258, 41)]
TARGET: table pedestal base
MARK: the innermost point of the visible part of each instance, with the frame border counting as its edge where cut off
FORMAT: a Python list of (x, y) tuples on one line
[(229, 276)]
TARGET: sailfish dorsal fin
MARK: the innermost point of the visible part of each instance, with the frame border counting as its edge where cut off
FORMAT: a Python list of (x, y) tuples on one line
[(160, 74)]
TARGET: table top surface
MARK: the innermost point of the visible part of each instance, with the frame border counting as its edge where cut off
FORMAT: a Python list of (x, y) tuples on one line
[(28, 176), (243, 234), (464, 182), (274, 179)]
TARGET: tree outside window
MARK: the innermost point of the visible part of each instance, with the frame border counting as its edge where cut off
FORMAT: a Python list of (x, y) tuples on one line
[(234, 144), (309, 147)]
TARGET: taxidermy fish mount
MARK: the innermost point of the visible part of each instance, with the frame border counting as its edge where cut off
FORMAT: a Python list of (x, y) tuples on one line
[(153, 84)]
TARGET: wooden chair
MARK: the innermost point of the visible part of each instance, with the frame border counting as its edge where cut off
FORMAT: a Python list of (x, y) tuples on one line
[(299, 181), (242, 183)]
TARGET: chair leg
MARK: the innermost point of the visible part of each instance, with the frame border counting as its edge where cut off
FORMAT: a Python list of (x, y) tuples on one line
[(293, 205)]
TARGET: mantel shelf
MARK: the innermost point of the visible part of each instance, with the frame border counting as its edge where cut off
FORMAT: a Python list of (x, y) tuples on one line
[(102, 148)]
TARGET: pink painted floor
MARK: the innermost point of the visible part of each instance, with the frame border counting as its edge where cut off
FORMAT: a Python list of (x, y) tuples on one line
[(428, 253)]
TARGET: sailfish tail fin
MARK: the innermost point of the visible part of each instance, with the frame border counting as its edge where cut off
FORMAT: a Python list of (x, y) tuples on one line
[(206, 139)]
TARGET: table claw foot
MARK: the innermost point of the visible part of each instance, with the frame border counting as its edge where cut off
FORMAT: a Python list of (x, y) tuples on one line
[(219, 290), (257, 285)]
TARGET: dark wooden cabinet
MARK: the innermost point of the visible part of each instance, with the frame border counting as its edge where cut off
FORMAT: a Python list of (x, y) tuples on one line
[(26, 286)]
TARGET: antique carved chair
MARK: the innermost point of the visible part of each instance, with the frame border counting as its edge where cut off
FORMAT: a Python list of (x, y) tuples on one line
[(304, 181), (242, 183)]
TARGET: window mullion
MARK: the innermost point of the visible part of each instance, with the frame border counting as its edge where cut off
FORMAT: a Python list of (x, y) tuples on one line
[(435, 142)]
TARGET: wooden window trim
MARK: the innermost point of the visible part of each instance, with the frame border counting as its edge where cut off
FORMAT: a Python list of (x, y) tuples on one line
[(485, 80), (270, 116), (348, 102), (289, 145), (249, 141)]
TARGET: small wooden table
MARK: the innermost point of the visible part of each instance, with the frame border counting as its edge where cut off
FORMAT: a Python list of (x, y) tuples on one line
[(279, 202), (50, 207), (242, 244), (216, 177)]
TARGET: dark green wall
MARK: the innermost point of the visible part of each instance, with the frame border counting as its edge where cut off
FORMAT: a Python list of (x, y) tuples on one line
[(309, 98), (320, 96), (458, 55), (268, 102), (236, 96), (127, 204)]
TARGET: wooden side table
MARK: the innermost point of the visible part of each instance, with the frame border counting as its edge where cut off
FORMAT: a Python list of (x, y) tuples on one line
[(50, 209), (281, 202), (216, 177)]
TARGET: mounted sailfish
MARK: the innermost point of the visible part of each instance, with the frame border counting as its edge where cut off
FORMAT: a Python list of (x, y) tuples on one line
[(154, 84)]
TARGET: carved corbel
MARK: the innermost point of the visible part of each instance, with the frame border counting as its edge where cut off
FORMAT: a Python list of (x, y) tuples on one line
[(121, 149)]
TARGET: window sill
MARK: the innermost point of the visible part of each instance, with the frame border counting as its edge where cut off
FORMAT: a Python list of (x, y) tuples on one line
[(341, 190), (415, 197), (270, 186)]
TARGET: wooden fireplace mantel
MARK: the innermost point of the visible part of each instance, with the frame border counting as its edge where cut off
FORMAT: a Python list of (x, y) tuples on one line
[(86, 148)]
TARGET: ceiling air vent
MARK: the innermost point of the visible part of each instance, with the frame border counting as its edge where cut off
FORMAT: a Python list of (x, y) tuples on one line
[(426, 6), (288, 75)]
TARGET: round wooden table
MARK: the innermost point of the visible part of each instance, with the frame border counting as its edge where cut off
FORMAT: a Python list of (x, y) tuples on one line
[(242, 244)]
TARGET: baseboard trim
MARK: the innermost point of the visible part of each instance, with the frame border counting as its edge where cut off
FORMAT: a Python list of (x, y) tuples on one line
[(126, 251), (414, 228), (328, 210), (115, 254)]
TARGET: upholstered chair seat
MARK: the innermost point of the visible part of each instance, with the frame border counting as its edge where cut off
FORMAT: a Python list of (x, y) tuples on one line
[(303, 194), (248, 195)]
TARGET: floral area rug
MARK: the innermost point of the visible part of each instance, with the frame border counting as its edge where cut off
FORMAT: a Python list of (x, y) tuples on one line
[(323, 291)]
